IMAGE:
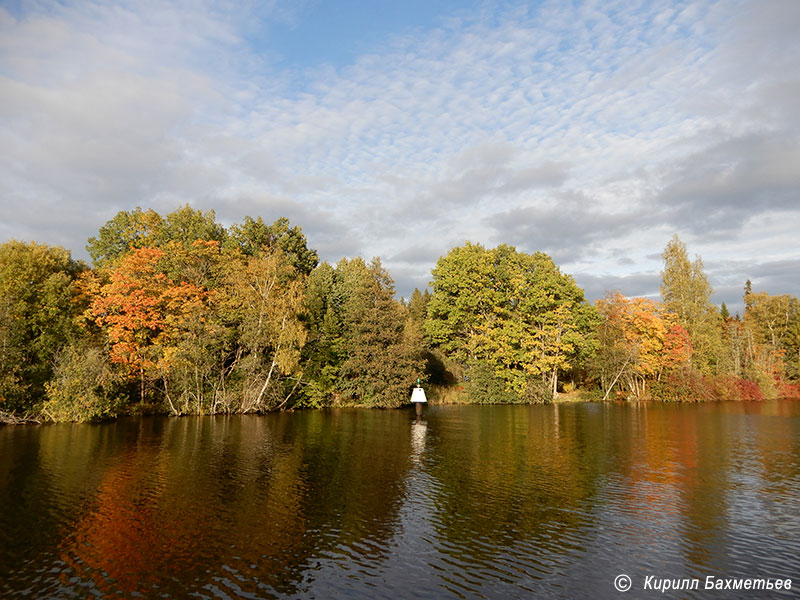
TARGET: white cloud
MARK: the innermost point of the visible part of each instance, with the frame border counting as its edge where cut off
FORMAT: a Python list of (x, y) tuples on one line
[(596, 130)]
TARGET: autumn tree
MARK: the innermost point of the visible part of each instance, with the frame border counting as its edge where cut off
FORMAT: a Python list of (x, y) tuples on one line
[(418, 305), (139, 308), (772, 324), (639, 342), (264, 297)]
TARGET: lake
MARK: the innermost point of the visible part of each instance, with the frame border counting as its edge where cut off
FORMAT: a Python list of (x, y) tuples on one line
[(504, 502)]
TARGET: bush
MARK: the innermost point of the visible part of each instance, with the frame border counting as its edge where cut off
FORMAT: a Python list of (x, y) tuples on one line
[(689, 385), (749, 390), (788, 390), (537, 392), (683, 385), (485, 387), (84, 387)]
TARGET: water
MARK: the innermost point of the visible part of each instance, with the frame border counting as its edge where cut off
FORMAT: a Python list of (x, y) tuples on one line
[(470, 502)]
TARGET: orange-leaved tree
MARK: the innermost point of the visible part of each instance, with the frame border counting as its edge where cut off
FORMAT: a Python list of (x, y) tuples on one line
[(140, 309), (639, 340)]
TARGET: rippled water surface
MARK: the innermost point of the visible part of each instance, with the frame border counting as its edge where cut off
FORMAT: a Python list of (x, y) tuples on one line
[(470, 502)]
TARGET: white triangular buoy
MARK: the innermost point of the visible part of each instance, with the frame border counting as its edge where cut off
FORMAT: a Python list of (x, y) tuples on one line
[(418, 395)]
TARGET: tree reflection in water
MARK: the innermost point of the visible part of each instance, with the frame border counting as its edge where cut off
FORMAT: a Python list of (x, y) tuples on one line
[(494, 501)]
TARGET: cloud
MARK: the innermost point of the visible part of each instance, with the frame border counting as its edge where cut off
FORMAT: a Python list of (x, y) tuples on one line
[(569, 226), (634, 284), (592, 132), (719, 188)]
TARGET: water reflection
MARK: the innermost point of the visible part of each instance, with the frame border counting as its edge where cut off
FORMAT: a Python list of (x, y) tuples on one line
[(467, 502), (419, 429)]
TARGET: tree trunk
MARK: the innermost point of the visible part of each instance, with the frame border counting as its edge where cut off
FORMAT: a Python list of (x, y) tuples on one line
[(608, 391)]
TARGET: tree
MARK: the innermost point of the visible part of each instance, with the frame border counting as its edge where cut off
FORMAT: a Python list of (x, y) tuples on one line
[(515, 312), (137, 229), (186, 225), (686, 292), (382, 356), (139, 308), (253, 235), (418, 305), (362, 347), (38, 307), (639, 342), (84, 386), (126, 231), (773, 322), (323, 354), (264, 297)]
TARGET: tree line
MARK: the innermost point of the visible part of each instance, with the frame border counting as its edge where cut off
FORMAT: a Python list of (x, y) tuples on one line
[(180, 315)]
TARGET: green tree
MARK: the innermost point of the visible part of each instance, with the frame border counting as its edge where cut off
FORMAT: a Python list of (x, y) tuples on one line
[(137, 229), (323, 353), (187, 225), (85, 386), (382, 356), (686, 292), (126, 231), (253, 234), (513, 311), (38, 308), (362, 348)]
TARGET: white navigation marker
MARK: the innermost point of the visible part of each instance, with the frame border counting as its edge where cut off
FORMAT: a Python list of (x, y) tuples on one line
[(418, 398)]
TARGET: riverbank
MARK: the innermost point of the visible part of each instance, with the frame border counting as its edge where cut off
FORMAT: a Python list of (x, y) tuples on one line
[(699, 390)]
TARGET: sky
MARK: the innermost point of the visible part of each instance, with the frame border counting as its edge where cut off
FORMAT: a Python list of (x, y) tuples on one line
[(593, 131)]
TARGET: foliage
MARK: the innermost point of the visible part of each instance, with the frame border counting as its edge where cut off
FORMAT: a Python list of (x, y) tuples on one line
[(686, 293), (84, 386), (253, 235), (365, 348), (639, 341), (185, 316), (689, 385), (140, 309), (38, 306), (514, 312), (264, 295), (774, 323), (138, 229)]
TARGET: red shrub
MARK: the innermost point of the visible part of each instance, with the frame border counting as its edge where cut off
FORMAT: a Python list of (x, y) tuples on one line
[(688, 385), (788, 390)]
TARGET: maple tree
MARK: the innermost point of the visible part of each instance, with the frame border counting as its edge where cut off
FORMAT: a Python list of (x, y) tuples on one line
[(139, 309)]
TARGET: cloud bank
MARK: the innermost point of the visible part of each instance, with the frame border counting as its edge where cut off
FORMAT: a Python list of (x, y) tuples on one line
[(591, 131)]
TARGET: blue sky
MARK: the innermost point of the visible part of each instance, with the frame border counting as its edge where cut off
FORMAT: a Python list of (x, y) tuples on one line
[(593, 131), (333, 33)]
